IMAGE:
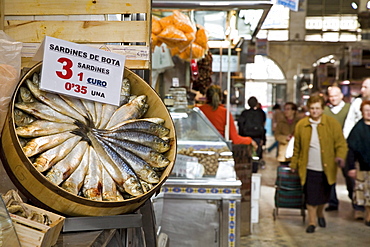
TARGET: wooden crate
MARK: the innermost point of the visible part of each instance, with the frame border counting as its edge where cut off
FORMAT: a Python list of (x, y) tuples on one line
[(34, 234), (86, 22)]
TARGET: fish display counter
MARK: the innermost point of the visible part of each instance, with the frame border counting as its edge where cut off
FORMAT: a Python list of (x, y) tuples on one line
[(199, 204)]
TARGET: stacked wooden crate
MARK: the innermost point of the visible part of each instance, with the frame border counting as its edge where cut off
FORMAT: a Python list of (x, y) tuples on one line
[(121, 26)]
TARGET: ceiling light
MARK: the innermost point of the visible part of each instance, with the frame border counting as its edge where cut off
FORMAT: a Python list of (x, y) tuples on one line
[(354, 5)]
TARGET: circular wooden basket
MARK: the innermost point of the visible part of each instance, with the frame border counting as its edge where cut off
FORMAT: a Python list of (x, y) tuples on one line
[(43, 193)]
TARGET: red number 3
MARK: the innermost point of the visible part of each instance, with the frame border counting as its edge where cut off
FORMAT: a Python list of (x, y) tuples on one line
[(67, 65)]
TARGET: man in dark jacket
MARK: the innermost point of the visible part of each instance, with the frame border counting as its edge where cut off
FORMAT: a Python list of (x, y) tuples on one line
[(251, 123)]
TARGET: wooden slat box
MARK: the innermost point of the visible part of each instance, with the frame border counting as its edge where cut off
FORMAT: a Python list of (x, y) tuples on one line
[(34, 234), (123, 25)]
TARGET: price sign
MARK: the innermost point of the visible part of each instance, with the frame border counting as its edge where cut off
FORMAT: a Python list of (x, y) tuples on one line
[(81, 71)]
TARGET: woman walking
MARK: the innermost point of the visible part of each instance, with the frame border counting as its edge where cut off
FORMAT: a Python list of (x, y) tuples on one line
[(319, 147)]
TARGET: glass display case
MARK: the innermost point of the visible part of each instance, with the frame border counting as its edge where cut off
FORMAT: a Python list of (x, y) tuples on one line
[(201, 149), (203, 180)]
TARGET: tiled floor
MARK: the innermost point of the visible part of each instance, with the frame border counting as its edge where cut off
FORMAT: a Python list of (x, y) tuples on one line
[(288, 229)]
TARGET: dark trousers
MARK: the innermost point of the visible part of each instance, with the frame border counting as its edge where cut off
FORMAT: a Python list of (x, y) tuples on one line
[(350, 184)]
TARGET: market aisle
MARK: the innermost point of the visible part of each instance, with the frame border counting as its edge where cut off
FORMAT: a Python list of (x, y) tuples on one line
[(289, 230)]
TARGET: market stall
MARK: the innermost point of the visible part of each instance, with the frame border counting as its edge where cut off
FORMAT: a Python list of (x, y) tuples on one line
[(202, 196), (121, 28)]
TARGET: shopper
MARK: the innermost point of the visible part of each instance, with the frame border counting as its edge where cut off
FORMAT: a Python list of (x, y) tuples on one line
[(285, 130), (251, 123), (277, 115), (216, 113), (338, 109), (358, 145), (353, 116), (319, 147)]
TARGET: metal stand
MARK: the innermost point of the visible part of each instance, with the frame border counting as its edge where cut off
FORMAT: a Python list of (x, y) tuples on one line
[(130, 230)]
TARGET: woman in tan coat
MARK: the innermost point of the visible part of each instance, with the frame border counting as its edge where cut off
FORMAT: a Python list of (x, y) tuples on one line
[(284, 130), (319, 147)]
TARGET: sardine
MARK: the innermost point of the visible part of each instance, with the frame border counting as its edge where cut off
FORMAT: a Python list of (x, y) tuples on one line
[(45, 112), (154, 158), (107, 113), (121, 173), (54, 101), (40, 144), (21, 118), (143, 126), (155, 120), (98, 113), (43, 128), (109, 188), (90, 109), (133, 109), (75, 181), (93, 179), (64, 168), (146, 186), (125, 91), (55, 154), (75, 104), (140, 166), (109, 109), (25, 95), (149, 140)]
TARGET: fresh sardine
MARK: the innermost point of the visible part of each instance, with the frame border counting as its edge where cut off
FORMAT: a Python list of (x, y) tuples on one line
[(133, 109), (98, 113), (61, 170), (43, 128), (74, 182), (25, 95), (109, 188), (140, 166), (53, 155), (54, 101), (141, 125), (75, 104), (45, 112), (40, 144), (149, 140), (109, 109), (93, 179), (121, 173), (21, 118), (154, 158), (155, 120), (90, 109)]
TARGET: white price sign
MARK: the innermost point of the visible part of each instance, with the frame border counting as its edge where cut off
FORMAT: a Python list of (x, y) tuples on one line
[(81, 71)]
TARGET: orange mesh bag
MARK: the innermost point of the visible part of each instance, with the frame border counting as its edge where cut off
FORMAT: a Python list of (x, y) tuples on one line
[(182, 22), (174, 51), (156, 26), (170, 35), (190, 37), (166, 21), (193, 51), (201, 37), (155, 41)]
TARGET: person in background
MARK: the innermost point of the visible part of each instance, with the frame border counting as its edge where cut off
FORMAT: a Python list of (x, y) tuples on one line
[(353, 116), (354, 113), (338, 109), (285, 129), (319, 147), (277, 114), (358, 150), (251, 123), (216, 113)]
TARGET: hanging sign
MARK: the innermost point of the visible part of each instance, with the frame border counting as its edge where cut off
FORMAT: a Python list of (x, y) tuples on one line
[(81, 71), (291, 4)]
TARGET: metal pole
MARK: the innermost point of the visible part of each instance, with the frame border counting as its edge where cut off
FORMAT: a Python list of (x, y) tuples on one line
[(227, 128)]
